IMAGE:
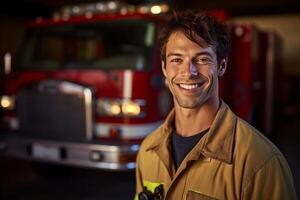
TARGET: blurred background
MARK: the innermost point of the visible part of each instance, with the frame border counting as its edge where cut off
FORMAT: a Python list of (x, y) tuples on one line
[(262, 85)]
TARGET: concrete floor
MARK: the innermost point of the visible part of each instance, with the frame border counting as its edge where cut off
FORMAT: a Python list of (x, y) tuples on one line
[(18, 180)]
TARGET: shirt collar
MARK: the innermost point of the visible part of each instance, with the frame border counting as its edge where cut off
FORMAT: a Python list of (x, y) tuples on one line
[(217, 143)]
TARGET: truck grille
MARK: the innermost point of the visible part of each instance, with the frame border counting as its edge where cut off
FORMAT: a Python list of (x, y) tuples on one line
[(55, 115)]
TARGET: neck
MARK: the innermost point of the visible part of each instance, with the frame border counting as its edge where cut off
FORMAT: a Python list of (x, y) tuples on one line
[(189, 122)]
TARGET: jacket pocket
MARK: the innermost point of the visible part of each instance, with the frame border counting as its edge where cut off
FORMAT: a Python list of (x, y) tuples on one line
[(191, 195)]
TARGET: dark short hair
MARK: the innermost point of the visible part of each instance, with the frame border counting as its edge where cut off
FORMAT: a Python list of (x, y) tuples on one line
[(197, 23)]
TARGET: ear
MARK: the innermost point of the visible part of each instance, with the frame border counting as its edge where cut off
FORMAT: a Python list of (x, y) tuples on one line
[(163, 67), (222, 67)]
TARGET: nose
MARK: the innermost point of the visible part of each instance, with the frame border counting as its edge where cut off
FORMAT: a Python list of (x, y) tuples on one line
[(192, 70)]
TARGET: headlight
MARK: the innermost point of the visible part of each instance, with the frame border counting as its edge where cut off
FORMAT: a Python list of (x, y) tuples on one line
[(114, 108), (131, 108), (7, 102), (120, 107)]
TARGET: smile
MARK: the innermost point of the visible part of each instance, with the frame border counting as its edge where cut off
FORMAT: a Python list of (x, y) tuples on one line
[(190, 86)]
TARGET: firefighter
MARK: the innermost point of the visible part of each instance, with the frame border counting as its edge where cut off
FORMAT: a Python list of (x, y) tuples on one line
[(203, 150)]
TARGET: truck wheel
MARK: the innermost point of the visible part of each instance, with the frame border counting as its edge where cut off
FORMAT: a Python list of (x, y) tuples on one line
[(52, 171)]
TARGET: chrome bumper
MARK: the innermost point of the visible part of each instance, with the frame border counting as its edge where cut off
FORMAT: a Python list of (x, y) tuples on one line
[(106, 156)]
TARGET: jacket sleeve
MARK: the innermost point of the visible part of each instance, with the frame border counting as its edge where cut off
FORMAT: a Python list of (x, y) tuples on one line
[(138, 176), (273, 180)]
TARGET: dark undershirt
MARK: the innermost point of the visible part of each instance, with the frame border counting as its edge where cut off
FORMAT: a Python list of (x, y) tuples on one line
[(181, 146)]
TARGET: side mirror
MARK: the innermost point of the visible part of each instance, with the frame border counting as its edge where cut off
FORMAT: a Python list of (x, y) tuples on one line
[(7, 63)]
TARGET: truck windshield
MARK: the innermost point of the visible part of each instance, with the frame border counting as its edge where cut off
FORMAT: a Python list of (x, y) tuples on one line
[(106, 45)]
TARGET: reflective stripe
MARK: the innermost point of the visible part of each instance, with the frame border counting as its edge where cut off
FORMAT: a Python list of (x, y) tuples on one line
[(150, 185)]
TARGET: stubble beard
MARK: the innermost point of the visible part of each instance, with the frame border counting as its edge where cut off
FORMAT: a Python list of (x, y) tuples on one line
[(190, 103)]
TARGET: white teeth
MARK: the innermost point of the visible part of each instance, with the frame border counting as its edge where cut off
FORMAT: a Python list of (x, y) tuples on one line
[(188, 86)]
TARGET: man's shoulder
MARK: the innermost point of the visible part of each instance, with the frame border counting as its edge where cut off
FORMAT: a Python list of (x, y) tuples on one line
[(261, 161), (251, 143)]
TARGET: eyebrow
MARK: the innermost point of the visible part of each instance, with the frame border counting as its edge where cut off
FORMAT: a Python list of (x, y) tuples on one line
[(174, 54), (206, 53), (197, 54)]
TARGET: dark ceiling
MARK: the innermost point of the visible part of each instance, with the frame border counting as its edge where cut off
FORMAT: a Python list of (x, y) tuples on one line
[(32, 8)]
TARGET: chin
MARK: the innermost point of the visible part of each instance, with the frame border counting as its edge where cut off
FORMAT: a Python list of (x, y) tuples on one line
[(191, 104)]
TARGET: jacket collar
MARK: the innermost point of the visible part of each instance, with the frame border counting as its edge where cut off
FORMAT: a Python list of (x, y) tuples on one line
[(217, 143)]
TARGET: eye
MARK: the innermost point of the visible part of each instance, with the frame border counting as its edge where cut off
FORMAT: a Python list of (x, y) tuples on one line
[(202, 60), (176, 60)]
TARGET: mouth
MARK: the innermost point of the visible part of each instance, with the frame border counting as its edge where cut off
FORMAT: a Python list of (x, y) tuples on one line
[(190, 86)]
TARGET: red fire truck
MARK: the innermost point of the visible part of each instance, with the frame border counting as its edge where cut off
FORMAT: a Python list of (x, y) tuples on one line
[(87, 86)]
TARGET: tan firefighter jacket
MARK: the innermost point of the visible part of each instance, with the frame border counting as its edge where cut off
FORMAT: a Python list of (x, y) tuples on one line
[(231, 161)]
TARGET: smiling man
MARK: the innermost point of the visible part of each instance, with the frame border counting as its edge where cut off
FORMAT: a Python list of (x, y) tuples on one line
[(203, 150)]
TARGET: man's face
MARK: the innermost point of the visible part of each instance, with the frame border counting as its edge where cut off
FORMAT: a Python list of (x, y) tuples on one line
[(191, 71)]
